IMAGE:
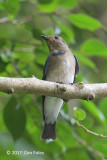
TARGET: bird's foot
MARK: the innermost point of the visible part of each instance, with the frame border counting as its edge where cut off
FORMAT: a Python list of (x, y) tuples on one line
[(80, 85), (59, 82)]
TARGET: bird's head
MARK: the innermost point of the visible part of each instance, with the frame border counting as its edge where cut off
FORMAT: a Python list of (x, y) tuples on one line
[(55, 43)]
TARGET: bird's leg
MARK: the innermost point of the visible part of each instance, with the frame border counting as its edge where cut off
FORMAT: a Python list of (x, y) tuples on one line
[(80, 85)]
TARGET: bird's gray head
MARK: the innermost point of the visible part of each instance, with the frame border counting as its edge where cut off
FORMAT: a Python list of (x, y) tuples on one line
[(55, 43)]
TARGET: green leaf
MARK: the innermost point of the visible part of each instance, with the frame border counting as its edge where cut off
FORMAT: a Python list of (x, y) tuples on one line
[(48, 31), (1, 6), (67, 3), (37, 32), (63, 131), (91, 107), (67, 30), (73, 155), (41, 55), (84, 21), (79, 78), (7, 31), (2, 65), (101, 146), (4, 57), (2, 43), (27, 57), (9, 68), (65, 108), (14, 32), (79, 114), (50, 7), (94, 47), (65, 112), (14, 118), (86, 61), (12, 7), (44, 1), (103, 106)]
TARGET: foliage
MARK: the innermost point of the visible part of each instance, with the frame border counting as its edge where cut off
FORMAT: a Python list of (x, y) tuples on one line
[(79, 114), (23, 53)]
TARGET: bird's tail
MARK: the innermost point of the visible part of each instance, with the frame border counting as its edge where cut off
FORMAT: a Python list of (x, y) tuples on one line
[(49, 131)]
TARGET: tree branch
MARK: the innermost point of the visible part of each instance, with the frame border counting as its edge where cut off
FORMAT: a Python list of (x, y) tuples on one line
[(91, 132), (15, 21), (64, 91)]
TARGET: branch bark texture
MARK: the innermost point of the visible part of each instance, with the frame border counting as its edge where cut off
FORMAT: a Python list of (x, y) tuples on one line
[(35, 86)]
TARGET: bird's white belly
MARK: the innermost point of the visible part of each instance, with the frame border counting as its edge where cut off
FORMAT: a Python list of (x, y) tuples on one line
[(52, 108), (62, 72)]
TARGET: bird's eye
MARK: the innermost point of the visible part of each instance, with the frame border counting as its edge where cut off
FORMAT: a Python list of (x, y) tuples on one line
[(56, 37)]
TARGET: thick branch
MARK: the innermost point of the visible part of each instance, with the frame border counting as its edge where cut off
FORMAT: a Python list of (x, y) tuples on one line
[(66, 92)]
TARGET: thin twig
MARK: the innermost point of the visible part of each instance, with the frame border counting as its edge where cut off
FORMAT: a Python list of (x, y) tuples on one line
[(87, 130), (16, 21)]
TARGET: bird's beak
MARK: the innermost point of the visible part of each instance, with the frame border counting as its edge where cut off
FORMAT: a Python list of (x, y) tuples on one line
[(44, 37)]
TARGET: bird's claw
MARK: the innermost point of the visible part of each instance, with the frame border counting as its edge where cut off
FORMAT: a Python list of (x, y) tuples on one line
[(59, 82)]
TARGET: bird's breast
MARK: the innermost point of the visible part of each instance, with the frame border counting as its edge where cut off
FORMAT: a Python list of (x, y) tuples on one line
[(61, 70)]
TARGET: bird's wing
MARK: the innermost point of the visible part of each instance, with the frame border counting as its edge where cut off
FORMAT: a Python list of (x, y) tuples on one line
[(76, 67), (44, 78), (45, 68)]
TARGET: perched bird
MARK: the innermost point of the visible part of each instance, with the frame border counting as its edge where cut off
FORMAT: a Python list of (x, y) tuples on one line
[(61, 66)]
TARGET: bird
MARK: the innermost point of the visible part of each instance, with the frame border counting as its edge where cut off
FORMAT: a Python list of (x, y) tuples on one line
[(61, 66)]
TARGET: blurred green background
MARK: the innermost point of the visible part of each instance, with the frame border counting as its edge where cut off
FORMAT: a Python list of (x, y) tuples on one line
[(83, 25)]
